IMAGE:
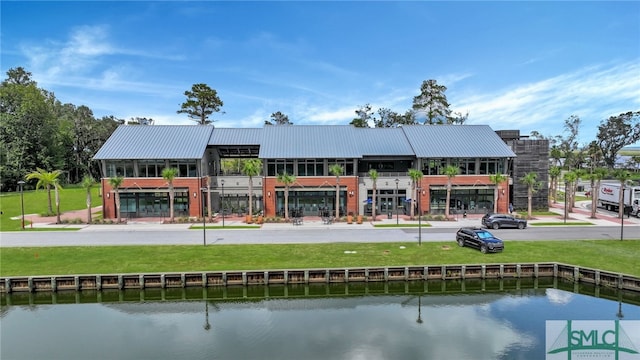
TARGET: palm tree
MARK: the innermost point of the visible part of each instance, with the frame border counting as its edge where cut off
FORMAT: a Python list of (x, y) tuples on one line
[(287, 180), (497, 179), (415, 175), (87, 184), (170, 174), (596, 179), (45, 180), (373, 174), (251, 168), (337, 170), (530, 179), (115, 183), (450, 171), (623, 176), (554, 174)]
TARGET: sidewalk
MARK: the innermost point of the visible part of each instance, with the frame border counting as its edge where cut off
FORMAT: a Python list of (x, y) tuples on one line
[(581, 213)]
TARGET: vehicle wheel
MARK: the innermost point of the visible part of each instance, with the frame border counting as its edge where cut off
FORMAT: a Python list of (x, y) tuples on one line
[(461, 242), (520, 226), (483, 249), (496, 226)]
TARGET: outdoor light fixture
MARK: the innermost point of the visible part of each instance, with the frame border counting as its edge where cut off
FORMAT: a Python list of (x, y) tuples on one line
[(622, 215), (195, 195), (222, 200), (269, 193), (566, 184), (21, 183), (396, 202), (419, 219), (204, 218)]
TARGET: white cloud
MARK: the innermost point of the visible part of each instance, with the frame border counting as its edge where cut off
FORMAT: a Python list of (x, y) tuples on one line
[(592, 93)]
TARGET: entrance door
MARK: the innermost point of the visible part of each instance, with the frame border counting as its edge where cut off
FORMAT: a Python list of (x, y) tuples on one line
[(386, 204)]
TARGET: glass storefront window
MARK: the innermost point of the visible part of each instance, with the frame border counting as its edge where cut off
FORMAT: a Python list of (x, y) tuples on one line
[(474, 201)]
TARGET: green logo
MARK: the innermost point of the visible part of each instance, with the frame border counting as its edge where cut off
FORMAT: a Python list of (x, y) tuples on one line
[(590, 339)]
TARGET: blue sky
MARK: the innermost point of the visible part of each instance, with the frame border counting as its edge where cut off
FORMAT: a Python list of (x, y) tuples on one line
[(511, 65)]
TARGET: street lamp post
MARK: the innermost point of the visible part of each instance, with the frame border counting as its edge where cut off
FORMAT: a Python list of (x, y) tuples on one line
[(222, 200), (622, 216), (204, 223), (566, 185), (21, 183), (397, 202), (419, 217)]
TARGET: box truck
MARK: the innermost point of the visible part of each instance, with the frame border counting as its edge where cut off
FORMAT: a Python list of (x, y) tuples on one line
[(609, 198)]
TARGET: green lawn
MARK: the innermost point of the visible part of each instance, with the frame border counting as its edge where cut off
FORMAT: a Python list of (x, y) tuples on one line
[(616, 256), (36, 202)]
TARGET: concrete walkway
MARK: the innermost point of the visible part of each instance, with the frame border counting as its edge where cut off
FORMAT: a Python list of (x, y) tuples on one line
[(581, 213)]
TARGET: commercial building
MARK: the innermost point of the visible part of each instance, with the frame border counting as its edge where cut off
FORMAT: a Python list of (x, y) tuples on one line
[(140, 153)]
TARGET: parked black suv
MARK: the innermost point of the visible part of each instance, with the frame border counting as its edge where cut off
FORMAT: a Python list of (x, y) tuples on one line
[(479, 239), (497, 221)]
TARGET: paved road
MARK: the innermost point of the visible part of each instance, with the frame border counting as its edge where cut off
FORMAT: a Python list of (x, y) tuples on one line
[(180, 235), (606, 227)]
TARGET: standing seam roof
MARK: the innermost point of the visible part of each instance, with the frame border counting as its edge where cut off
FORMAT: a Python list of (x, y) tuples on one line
[(309, 141), (156, 142), (383, 142), (456, 141), (227, 136)]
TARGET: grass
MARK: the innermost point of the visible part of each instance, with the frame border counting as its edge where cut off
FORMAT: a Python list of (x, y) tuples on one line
[(36, 202), (616, 256), (538, 213)]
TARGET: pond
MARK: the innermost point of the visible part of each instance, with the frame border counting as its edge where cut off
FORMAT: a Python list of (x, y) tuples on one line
[(479, 319)]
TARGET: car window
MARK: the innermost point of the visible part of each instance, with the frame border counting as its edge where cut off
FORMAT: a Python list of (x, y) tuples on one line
[(484, 235)]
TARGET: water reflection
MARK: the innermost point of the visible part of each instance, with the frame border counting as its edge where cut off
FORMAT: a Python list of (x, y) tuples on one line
[(383, 321)]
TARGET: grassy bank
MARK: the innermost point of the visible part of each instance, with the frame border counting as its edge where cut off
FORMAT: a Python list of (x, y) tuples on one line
[(617, 256), (36, 202)]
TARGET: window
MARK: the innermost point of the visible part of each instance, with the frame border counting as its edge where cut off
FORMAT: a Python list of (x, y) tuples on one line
[(310, 167), (279, 166), (186, 168), (433, 166), (122, 168), (489, 166), (467, 166), (347, 166), (150, 168)]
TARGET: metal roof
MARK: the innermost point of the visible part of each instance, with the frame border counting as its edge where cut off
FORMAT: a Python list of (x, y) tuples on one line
[(456, 141), (226, 136), (304, 142), (383, 142), (309, 141), (156, 142)]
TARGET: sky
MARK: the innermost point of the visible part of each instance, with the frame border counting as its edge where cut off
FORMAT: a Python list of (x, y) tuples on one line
[(510, 65)]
